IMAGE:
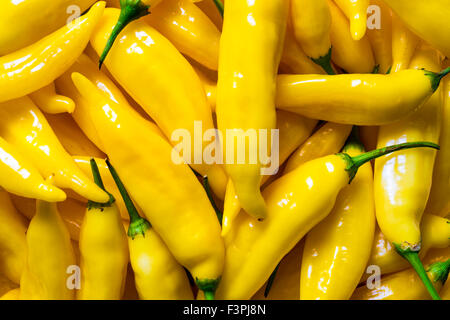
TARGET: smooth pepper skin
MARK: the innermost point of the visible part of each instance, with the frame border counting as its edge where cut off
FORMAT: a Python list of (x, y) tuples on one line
[(404, 44), (295, 204), (337, 250), (428, 19), (356, 12), (439, 200), (25, 22), (354, 56), (50, 102), (247, 85), (186, 222), (38, 65), (24, 126), (360, 99), (311, 21), (13, 246), (435, 232), (19, 176), (189, 29), (104, 251), (163, 82), (50, 254), (400, 199)]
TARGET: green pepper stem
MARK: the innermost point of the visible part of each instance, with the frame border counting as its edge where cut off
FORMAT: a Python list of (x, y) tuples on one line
[(376, 69), (413, 258), (99, 182), (138, 225), (130, 10), (208, 286), (436, 78), (325, 62), (207, 188), (219, 5), (209, 295), (354, 163), (439, 271), (353, 141), (271, 280)]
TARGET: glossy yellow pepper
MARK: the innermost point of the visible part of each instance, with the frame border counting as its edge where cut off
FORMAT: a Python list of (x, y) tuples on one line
[(104, 249), (381, 39), (185, 221), (337, 250), (356, 12), (294, 60), (13, 246), (71, 137), (27, 21), (439, 200), (404, 44), (50, 102), (38, 65), (400, 199), (296, 202), (247, 86), (406, 285), (293, 131), (369, 99), (311, 22), (13, 294), (428, 19), (286, 282), (435, 234), (210, 87), (351, 55), (49, 256), (163, 82), (20, 177), (329, 139), (189, 29), (158, 276), (24, 126), (210, 8)]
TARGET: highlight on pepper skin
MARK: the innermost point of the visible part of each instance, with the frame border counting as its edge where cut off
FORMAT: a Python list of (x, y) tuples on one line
[(224, 150)]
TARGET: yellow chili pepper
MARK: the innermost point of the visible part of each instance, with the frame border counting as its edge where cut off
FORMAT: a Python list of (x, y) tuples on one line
[(50, 102), (296, 203), (162, 81), (13, 294), (369, 99), (246, 86), (439, 200), (293, 131), (428, 19), (39, 64), (335, 253), (211, 10), (329, 139), (158, 276), (13, 246), (25, 22), (435, 234), (49, 256), (311, 21), (189, 29), (286, 281), (20, 177), (185, 221), (6, 285), (403, 181), (24, 126), (404, 44), (381, 39), (71, 137), (294, 60), (351, 55), (356, 12), (103, 248), (209, 86), (369, 136), (405, 285)]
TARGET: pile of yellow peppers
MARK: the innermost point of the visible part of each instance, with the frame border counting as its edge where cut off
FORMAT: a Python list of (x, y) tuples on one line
[(102, 199)]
